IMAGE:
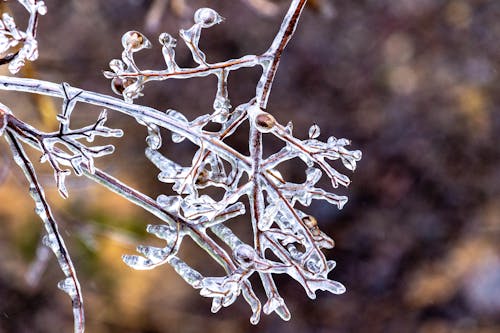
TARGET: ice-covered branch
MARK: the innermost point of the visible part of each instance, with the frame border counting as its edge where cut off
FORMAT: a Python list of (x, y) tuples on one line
[(278, 226), (16, 45), (53, 238)]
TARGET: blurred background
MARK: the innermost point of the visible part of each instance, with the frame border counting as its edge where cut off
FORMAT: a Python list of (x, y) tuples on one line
[(413, 83)]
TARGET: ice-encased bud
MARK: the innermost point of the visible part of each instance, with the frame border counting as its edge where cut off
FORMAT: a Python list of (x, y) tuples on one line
[(154, 139), (314, 131), (68, 286), (222, 108), (118, 85), (272, 304), (244, 255), (312, 224), (264, 122), (203, 177), (116, 65), (167, 40), (313, 266), (41, 8), (207, 17), (135, 41)]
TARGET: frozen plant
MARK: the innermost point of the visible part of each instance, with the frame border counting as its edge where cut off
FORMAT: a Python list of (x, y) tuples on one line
[(11, 37), (277, 225)]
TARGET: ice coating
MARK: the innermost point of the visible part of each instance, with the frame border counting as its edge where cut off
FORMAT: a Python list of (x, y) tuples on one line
[(253, 188)]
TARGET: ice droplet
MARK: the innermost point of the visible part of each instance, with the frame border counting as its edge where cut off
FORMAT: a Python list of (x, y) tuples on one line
[(41, 8), (68, 286), (216, 304), (135, 41), (167, 40), (272, 304), (116, 65), (357, 155), (166, 232), (264, 122), (331, 265), (314, 131), (136, 262), (153, 140), (207, 17), (155, 254), (244, 255)]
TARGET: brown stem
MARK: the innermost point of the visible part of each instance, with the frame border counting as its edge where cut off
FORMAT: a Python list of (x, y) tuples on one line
[(274, 52), (247, 61)]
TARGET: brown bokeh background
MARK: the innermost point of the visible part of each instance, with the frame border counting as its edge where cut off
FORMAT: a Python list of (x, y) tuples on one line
[(413, 83)]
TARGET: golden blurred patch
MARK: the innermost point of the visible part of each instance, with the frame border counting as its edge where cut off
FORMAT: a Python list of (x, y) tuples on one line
[(130, 288), (16, 203), (489, 217), (440, 281), (44, 104), (458, 14), (472, 103)]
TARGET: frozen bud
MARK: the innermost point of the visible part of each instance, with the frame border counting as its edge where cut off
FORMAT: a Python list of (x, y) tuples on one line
[(312, 224), (41, 8), (167, 40), (265, 122), (203, 177), (245, 255), (207, 17), (314, 131), (118, 85), (313, 266), (116, 65), (135, 41)]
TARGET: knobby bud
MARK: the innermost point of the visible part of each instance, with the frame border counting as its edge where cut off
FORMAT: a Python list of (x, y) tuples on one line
[(167, 40), (207, 17), (118, 85), (312, 224), (265, 122), (135, 41), (203, 177), (245, 255)]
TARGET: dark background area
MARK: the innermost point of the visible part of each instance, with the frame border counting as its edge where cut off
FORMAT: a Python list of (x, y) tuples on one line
[(413, 83)]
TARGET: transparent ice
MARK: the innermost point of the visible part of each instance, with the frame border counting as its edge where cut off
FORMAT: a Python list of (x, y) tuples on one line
[(275, 213)]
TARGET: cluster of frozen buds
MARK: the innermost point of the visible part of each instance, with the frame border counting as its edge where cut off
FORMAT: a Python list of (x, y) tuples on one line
[(128, 80), (277, 225), (17, 46)]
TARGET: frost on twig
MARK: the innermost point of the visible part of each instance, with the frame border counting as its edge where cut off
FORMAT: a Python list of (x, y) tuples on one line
[(286, 239), (16, 45)]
